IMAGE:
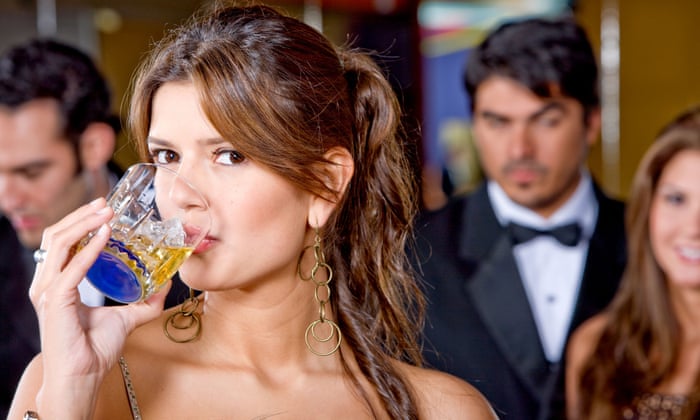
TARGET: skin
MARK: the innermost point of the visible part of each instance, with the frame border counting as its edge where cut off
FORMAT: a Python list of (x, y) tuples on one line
[(674, 228), (39, 183), (534, 148), (251, 360), (674, 221), (581, 346)]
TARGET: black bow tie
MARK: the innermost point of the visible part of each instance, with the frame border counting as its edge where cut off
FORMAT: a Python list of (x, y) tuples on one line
[(568, 235)]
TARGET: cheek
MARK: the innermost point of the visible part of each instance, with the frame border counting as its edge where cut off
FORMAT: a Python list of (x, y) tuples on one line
[(490, 157), (565, 150), (56, 188), (263, 232), (261, 208), (658, 230)]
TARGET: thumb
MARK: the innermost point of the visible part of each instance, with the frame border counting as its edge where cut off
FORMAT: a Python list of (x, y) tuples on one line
[(137, 314)]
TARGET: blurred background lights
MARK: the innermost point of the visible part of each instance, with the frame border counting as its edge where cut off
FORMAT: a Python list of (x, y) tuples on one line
[(107, 20)]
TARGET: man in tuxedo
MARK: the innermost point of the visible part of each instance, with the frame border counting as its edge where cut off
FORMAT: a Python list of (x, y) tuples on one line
[(513, 267), (57, 137)]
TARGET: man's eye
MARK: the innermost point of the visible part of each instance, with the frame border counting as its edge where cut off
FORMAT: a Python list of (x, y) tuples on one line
[(164, 156), (549, 121), (228, 157), (495, 122), (32, 174)]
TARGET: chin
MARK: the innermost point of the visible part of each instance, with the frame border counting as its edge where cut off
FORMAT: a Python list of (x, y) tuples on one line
[(527, 200), (192, 269), (29, 240), (687, 282)]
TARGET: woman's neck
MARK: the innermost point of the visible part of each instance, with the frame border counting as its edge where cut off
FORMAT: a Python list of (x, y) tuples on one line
[(263, 328)]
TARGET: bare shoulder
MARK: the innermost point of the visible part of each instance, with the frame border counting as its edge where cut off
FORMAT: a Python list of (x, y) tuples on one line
[(581, 346), (584, 339), (27, 389), (443, 396)]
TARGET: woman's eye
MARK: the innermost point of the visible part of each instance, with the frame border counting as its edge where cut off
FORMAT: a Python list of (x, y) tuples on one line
[(228, 157), (674, 198), (164, 156)]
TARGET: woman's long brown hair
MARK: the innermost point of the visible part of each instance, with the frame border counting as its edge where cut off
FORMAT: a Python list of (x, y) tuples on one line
[(284, 96), (639, 345)]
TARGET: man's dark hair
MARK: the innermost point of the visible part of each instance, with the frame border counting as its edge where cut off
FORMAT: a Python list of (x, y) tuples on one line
[(549, 56), (44, 68)]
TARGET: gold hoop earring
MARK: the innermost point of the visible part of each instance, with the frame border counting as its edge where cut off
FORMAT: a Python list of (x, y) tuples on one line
[(184, 318), (322, 295)]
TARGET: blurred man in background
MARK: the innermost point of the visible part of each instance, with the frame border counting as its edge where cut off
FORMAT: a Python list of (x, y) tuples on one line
[(512, 268), (57, 137)]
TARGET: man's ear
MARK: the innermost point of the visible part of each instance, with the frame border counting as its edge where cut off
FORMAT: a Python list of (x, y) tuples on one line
[(97, 145), (337, 175), (593, 123)]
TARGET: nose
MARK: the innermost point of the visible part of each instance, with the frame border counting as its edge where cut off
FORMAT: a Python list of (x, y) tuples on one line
[(10, 193), (177, 189), (184, 194), (184, 201), (521, 145)]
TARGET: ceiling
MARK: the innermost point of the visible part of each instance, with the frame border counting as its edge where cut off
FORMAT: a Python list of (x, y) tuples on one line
[(128, 8), (168, 8)]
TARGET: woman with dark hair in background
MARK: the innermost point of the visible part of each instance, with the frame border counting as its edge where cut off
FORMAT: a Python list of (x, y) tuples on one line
[(309, 306), (640, 359)]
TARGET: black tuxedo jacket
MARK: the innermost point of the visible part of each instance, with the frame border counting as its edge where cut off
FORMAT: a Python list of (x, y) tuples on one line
[(479, 322), (19, 328)]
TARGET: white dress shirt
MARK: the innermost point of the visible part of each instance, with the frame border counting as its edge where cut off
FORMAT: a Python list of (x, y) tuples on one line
[(551, 272), (89, 295)]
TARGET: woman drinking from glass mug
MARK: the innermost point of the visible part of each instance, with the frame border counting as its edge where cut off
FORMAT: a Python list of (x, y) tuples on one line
[(309, 308)]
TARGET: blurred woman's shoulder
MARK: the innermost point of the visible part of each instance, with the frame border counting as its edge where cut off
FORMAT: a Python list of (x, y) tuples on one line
[(440, 395), (581, 347), (585, 337)]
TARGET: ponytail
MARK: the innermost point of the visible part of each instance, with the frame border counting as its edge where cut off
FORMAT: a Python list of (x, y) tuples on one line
[(377, 219)]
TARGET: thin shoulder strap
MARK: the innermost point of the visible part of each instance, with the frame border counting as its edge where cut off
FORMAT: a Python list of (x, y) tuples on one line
[(135, 413)]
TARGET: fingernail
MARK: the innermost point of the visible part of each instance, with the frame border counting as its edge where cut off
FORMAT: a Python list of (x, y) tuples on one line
[(95, 201), (103, 210), (102, 231)]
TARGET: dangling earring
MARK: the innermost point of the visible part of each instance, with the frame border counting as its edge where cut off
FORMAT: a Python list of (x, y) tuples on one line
[(185, 318), (320, 262)]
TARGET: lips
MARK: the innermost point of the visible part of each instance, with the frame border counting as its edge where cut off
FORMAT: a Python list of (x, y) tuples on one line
[(204, 245), (26, 222), (524, 172), (690, 254), (523, 176), (192, 235)]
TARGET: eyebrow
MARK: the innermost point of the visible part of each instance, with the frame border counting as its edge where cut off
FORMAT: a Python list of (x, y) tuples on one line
[(549, 106), (668, 186), (32, 166), (165, 143)]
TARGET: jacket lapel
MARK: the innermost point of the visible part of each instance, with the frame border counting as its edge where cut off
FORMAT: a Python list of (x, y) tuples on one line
[(497, 293)]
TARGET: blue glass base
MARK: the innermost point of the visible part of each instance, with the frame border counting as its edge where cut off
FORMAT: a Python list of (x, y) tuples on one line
[(115, 279)]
